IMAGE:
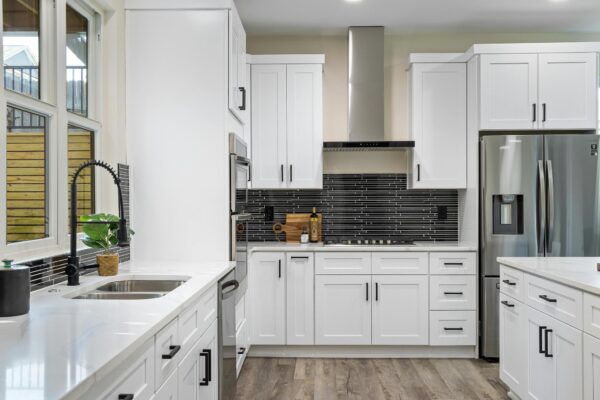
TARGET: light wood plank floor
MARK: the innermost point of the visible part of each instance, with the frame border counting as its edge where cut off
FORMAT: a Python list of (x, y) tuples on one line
[(337, 379)]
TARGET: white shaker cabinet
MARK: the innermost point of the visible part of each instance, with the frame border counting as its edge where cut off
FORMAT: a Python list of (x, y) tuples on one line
[(508, 91), (568, 91), (238, 96), (300, 274), (198, 372), (439, 125), (513, 346), (591, 367), (267, 301), (400, 310), (287, 126), (343, 309)]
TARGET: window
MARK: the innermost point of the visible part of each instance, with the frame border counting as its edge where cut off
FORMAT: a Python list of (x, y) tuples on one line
[(26, 176), (21, 23), (77, 61), (81, 149)]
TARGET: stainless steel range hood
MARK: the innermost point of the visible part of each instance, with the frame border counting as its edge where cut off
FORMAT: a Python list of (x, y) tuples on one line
[(365, 93)]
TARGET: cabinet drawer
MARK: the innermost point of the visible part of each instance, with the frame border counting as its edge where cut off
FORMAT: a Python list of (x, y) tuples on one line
[(406, 263), (591, 314), (167, 352), (189, 327), (453, 292), (241, 341), (512, 283), (452, 328), (168, 391), (135, 377), (561, 302), (348, 263), (452, 263), (207, 308)]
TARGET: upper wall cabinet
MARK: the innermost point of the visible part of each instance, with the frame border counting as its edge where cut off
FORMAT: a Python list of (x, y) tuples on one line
[(287, 126), (238, 96), (439, 125), (538, 91)]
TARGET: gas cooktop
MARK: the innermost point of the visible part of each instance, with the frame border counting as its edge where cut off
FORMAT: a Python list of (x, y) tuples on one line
[(369, 242)]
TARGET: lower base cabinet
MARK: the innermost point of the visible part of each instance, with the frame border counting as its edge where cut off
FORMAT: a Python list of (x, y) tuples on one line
[(513, 348), (591, 367), (169, 390), (198, 372)]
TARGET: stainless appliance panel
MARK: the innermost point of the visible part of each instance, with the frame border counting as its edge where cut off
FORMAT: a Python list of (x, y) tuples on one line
[(239, 178), (227, 289), (490, 318), (573, 173), (509, 167)]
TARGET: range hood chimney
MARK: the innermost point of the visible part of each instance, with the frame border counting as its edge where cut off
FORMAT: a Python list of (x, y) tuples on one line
[(365, 93)]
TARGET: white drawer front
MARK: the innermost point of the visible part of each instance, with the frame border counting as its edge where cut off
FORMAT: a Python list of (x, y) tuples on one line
[(241, 341), (166, 344), (189, 327), (512, 283), (452, 263), (168, 391), (591, 314), (407, 263), (136, 377), (561, 302), (452, 328), (207, 308), (240, 312), (347, 263), (452, 292)]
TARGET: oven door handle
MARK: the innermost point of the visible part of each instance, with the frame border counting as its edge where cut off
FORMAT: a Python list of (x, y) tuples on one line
[(227, 294), (240, 217), (241, 160)]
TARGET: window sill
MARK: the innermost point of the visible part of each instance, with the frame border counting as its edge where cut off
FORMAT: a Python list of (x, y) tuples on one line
[(32, 255)]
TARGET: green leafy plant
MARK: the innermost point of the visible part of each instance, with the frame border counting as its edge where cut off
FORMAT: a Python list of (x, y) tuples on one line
[(100, 231)]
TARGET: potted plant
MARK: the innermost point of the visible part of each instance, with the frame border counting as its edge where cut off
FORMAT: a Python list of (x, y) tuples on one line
[(100, 232)]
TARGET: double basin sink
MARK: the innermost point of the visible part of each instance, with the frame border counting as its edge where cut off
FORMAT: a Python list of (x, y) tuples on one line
[(132, 289)]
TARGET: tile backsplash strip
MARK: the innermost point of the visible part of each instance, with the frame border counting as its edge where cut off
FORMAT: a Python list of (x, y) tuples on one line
[(51, 270), (361, 206)]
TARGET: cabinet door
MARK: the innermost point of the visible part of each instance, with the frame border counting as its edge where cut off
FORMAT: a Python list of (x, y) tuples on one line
[(513, 347), (169, 389), (439, 125), (400, 310), (342, 309), (555, 352), (509, 89), (198, 373), (269, 126), (568, 91), (300, 317), (305, 126), (267, 285), (237, 62), (591, 367)]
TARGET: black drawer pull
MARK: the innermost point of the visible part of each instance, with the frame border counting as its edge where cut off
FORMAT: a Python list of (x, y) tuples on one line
[(206, 353), (456, 293), (299, 257), (509, 283), (547, 351), (125, 397), (453, 329), (540, 341), (546, 298), (454, 263), (174, 350), (507, 304), (279, 267), (242, 350)]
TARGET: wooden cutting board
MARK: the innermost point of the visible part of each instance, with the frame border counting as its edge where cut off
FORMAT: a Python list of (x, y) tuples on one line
[(294, 224)]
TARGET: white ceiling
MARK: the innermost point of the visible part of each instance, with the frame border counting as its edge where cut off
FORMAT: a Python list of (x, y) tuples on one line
[(402, 16)]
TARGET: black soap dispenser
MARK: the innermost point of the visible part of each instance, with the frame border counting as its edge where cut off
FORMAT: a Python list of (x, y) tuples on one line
[(15, 289)]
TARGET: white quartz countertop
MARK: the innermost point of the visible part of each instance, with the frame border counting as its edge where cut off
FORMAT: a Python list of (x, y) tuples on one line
[(418, 246), (63, 346), (577, 272)]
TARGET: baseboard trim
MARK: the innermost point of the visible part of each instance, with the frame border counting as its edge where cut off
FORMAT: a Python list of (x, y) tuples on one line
[(364, 351)]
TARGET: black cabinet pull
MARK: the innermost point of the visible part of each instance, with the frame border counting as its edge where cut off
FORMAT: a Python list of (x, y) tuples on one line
[(418, 172), (546, 298), (243, 106), (242, 350), (279, 267), (507, 304), (299, 257), (206, 353), (451, 293), (376, 291), (534, 112), (540, 340), (281, 172), (509, 283), (547, 351), (544, 112), (291, 172), (125, 397), (174, 350), (367, 286), (453, 263), (453, 329)]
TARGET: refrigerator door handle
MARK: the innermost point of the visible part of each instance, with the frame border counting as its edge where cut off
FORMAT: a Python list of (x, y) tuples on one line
[(541, 207), (550, 237)]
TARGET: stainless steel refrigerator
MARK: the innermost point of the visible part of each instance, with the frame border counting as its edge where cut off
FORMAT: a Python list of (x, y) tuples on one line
[(539, 197)]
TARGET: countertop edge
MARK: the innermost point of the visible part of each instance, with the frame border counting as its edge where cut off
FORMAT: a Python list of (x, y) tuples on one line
[(254, 247)]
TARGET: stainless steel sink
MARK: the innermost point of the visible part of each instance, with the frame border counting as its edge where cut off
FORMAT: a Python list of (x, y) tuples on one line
[(118, 296), (140, 285)]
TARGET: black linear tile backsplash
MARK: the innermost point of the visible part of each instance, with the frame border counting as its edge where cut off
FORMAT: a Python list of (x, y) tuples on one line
[(362, 206), (51, 270)]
